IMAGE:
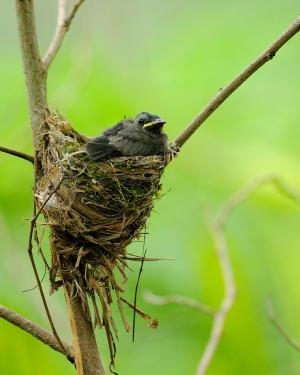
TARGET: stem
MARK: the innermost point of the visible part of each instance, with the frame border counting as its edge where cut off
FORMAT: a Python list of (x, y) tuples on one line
[(19, 154), (35, 73)]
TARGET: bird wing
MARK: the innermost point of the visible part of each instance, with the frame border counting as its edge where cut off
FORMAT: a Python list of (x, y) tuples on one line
[(100, 148), (114, 130)]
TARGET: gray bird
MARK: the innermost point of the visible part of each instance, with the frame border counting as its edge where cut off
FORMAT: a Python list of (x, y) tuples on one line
[(141, 136)]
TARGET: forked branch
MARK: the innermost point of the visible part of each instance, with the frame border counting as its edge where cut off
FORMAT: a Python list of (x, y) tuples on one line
[(62, 26), (266, 56), (292, 342)]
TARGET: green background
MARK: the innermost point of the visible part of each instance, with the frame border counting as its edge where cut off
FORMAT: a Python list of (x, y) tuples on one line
[(170, 57)]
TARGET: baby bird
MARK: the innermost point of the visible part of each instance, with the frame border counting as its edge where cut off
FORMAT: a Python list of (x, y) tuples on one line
[(141, 136)]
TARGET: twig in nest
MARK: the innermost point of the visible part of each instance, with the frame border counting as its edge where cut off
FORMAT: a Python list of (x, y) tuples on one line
[(19, 154), (38, 332), (292, 342), (266, 56)]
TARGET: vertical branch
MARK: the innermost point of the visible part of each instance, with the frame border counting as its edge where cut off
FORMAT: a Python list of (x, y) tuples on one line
[(87, 358), (35, 74), (85, 347)]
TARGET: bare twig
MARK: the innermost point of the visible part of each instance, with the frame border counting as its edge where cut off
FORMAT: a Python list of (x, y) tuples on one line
[(62, 27), (31, 232), (38, 332), (292, 342), (241, 195), (137, 286), (229, 296), (267, 55), (17, 153), (217, 228), (179, 300)]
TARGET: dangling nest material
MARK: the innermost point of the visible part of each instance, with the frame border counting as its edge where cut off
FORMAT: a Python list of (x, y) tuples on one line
[(94, 210)]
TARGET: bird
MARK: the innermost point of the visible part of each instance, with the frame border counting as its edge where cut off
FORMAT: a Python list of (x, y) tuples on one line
[(138, 136)]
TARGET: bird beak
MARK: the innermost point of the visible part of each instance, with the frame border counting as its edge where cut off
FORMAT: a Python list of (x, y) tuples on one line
[(158, 123)]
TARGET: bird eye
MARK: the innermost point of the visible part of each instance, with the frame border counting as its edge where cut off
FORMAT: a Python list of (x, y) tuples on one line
[(141, 121)]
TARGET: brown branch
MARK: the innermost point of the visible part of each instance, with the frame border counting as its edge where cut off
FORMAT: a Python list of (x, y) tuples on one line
[(179, 300), (292, 342), (36, 331), (62, 27), (267, 55), (19, 154), (87, 357), (35, 74)]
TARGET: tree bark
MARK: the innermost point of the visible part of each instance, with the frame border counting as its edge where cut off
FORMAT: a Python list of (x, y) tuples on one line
[(35, 73)]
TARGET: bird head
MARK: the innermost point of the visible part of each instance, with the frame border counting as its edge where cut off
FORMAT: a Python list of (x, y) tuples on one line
[(149, 122)]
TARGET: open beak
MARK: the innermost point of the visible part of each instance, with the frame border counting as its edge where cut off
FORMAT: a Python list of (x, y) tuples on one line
[(158, 124)]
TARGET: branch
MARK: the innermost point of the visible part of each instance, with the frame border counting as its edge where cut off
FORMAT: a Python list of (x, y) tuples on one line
[(228, 299), (217, 228), (62, 27), (267, 55), (179, 300), (36, 331), (35, 73), (17, 153), (293, 343)]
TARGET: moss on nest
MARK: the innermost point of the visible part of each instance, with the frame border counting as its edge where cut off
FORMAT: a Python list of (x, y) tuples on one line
[(94, 211)]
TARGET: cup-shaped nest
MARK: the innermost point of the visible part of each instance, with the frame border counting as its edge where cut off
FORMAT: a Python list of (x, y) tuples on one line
[(94, 210)]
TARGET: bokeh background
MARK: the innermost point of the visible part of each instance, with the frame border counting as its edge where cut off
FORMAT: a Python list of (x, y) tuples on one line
[(170, 57)]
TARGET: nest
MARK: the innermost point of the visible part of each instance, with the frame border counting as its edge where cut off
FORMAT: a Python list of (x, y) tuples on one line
[(94, 210)]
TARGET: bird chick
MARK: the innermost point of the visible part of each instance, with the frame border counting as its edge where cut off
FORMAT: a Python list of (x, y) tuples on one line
[(141, 136)]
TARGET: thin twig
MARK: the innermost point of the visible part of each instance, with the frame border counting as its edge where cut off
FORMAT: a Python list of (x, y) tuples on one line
[(228, 299), (62, 27), (17, 153), (38, 332), (30, 253), (217, 229), (137, 286), (153, 323), (179, 300), (267, 55), (292, 342), (243, 194)]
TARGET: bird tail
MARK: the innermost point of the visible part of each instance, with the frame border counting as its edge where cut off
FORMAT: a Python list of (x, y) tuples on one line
[(100, 148)]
